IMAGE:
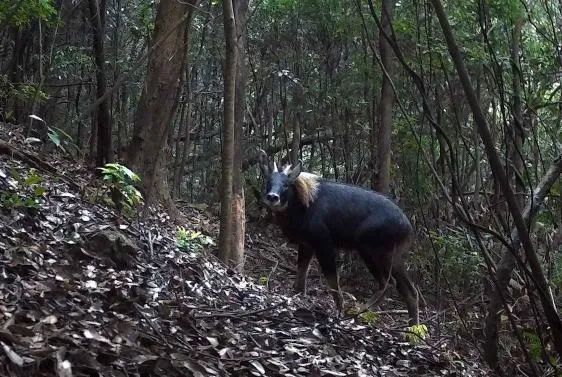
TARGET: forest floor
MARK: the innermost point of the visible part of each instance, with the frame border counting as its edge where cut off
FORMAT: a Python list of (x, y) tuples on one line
[(84, 292)]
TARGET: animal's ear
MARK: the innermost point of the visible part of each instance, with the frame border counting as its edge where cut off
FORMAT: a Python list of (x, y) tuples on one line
[(295, 171), (263, 163)]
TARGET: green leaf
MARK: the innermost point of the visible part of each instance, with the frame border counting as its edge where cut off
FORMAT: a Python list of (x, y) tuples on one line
[(417, 333), (33, 179), (39, 191), (54, 137), (369, 317), (30, 203)]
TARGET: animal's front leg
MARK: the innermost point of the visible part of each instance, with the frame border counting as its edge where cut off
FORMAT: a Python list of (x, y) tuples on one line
[(327, 260), (303, 264)]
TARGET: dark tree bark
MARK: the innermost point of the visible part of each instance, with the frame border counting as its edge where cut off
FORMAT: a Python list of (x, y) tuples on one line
[(517, 131), (17, 68), (103, 119), (386, 102), (225, 236), (238, 201), (298, 100), (501, 177), (514, 148), (92, 141), (159, 99), (184, 128)]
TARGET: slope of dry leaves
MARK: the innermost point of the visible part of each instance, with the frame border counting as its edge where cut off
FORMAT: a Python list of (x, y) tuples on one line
[(69, 307)]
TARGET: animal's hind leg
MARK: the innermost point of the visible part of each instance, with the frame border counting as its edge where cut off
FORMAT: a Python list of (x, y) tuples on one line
[(379, 264), (303, 264), (407, 291)]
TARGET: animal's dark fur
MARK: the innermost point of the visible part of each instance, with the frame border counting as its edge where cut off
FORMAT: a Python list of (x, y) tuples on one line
[(342, 216), (349, 216)]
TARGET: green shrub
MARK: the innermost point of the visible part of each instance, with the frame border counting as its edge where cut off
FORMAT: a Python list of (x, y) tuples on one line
[(417, 333), (459, 258), (188, 240), (121, 190), (27, 195)]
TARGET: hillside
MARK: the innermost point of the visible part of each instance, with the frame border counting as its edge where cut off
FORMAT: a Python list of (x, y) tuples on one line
[(84, 292)]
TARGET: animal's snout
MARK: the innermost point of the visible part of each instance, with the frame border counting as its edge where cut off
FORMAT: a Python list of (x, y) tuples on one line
[(272, 198)]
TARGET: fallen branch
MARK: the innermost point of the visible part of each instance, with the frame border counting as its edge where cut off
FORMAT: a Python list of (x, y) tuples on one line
[(26, 157), (34, 161), (237, 315)]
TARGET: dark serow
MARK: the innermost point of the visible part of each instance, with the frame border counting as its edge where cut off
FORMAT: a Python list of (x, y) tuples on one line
[(321, 216)]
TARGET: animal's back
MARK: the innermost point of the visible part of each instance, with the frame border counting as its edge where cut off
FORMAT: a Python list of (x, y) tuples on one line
[(354, 215)]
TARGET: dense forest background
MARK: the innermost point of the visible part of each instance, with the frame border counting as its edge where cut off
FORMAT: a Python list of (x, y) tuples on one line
[(452, 108)]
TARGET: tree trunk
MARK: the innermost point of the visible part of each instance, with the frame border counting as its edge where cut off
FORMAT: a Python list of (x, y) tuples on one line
[(514, 147), (238, 201), (297, 124), (92, 142), (541, 284), (517, 132), (386, 102), (225, 237), (103, 119), (370, 113), (159, 98), (184, 128), (298, 100), (22, 36)]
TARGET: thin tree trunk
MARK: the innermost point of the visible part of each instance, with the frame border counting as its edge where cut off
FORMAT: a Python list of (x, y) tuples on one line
[(17, 67), (371, 100), (478, 168), (514, 147), (298, 100), (225, 236), (517, 133), (541, 284), (297, 123), (122, 124), (92, 142), (183, 129), (238, 201), (386, 102), (559, 55), (104, 149)]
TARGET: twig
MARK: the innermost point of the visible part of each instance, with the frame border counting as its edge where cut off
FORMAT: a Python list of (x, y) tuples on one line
[(144, 316), (150, 244), (282, 265), (271, 273), (238, 315)]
